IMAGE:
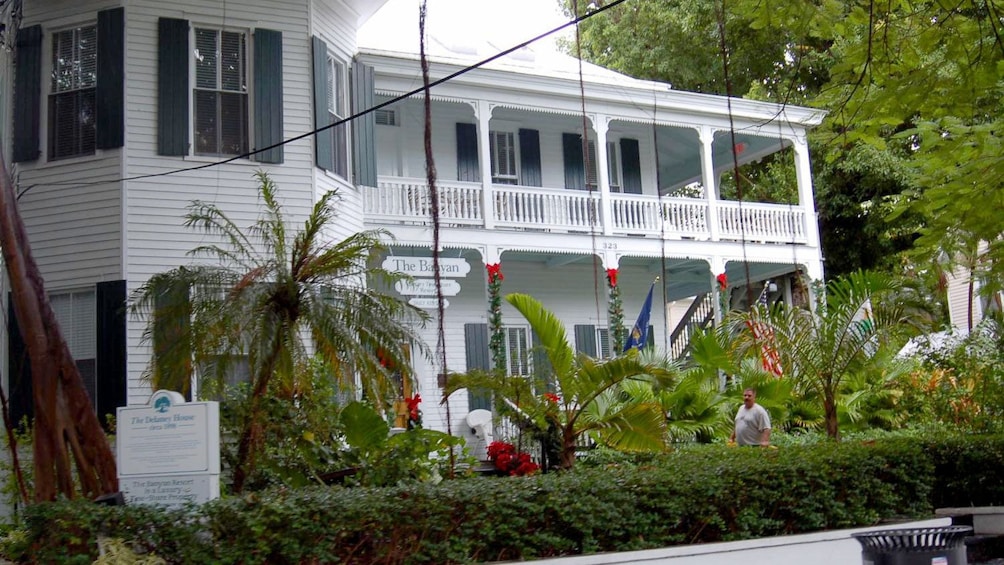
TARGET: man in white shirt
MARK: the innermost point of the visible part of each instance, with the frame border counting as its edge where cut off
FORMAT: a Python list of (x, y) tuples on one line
[(752, 422)]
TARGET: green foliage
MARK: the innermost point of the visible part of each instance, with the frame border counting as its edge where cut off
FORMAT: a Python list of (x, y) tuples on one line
[(589, 400), (695, 495)]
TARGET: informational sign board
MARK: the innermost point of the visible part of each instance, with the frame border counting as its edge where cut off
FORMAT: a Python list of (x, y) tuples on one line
[(422, 266), (427, 287), (169, 451), (427, 303)]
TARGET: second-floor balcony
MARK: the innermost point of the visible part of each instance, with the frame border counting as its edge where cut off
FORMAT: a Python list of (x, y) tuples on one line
[(398, 200)]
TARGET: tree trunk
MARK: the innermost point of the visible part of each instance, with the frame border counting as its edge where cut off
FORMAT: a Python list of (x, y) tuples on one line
[(251, 434), (567, 448), (830, 415), (65, 423)]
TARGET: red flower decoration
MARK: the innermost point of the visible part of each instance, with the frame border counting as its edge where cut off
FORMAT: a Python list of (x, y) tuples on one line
[(494, 272), (551, 397), (413, 403), (508, 461), (723, 281), (612, 277)]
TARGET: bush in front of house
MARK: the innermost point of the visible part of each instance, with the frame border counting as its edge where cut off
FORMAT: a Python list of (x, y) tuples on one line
[(690, 496)]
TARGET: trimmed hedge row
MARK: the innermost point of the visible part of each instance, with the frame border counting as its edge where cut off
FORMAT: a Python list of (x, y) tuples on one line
[(692, 496)]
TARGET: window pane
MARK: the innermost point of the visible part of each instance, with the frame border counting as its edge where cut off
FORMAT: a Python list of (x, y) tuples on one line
[(205, 58), (613, 165), (330, 86), (341, 147), (232, 72), (206, 129), (74, 59), (233, 123), (72, 119), (87, 57)]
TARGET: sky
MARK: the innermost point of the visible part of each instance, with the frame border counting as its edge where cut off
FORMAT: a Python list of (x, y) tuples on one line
[(461, 22)]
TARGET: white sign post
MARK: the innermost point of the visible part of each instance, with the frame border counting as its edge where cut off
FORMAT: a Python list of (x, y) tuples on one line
[(169, 451)]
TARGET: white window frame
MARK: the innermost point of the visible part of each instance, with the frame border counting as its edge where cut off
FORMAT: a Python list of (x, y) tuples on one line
[(518, 353), (510, 173), (338, 109), (79, 77), (220, 89)]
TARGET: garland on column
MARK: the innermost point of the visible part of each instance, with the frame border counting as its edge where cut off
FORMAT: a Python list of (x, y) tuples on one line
[(615, 312), (496, 343), (724, 296)]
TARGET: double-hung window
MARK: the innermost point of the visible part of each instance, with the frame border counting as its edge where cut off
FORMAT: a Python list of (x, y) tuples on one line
[(220, 97), (603, 343), (503, 153), (72, 113), (337, 111), (613, 166), (518, 360), (76, 313)]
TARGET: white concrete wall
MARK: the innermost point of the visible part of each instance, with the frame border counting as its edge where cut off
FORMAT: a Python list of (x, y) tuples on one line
[(834, 547)]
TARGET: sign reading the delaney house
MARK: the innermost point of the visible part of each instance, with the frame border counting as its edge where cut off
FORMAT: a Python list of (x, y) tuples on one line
[(422, 266), (169, 450)]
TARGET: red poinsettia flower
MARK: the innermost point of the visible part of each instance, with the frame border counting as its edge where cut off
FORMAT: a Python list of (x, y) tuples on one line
[(413, 403), (723, 281), (551, 397)]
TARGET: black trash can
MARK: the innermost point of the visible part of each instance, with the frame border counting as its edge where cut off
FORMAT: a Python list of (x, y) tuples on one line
[(920, 546)]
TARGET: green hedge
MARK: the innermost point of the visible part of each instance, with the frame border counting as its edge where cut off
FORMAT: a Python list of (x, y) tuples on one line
[(692, 496)]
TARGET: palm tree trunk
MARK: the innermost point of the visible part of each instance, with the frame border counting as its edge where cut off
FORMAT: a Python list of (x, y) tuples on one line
[(567, 447), (830, 415), (251, 434)]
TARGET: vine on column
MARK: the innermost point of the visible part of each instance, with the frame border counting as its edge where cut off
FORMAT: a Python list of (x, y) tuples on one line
[(496, 343), (615, 312)]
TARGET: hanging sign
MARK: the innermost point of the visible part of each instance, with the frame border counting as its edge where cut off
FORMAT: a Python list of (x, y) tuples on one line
[(427, 303), (427, 287), (422, 266)]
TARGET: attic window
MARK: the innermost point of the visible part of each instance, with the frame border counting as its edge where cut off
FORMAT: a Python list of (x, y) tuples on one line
[(386, 118)]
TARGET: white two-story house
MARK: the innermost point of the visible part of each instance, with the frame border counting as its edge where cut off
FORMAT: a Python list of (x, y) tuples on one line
[(555, 177)]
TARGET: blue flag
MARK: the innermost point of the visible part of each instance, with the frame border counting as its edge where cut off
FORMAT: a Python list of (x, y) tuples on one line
[(639, 333)]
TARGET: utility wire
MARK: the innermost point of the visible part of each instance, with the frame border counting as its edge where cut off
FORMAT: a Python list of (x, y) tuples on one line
[(359, 114)]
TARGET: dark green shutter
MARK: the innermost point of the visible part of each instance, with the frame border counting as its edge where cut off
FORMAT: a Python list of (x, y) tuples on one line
[(364, 157), (111, 350), (650, 338), (529, 157), (324, 149), (575, 172), (27, 94), (110, 89), (631, 163), (467, 153), (172, 87), (476, 343), (19, 393), (585, 339), (268, 95)]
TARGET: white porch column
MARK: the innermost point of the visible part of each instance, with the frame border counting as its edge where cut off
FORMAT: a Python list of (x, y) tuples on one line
[(601, 124), (717, 265), (708, 179), (484, 113), (803, 174)]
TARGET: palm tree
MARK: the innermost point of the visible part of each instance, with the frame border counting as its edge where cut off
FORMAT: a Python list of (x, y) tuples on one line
[(585, 397), (819, 350), (272, 298)]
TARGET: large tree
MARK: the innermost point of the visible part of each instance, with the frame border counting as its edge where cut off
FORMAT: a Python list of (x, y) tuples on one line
[(271, 298)]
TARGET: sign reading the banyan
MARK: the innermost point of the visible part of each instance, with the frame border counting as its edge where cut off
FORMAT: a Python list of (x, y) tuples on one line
[(422, 266)]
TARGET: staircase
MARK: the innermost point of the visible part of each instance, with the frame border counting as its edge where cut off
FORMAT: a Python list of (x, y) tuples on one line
[(699, 316)]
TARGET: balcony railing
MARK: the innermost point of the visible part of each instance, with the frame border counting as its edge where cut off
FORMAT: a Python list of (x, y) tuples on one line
[(403, 200)]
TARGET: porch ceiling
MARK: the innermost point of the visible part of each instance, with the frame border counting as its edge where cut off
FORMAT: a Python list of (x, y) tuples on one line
[(680, 153)]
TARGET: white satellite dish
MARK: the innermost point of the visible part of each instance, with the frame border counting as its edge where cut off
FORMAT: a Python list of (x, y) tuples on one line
[(480, 422)]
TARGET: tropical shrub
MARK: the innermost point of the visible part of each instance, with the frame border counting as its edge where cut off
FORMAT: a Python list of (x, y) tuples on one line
[(695, 495)]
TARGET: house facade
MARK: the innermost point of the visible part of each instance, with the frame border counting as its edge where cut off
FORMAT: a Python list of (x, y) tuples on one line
[(562, 180)]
